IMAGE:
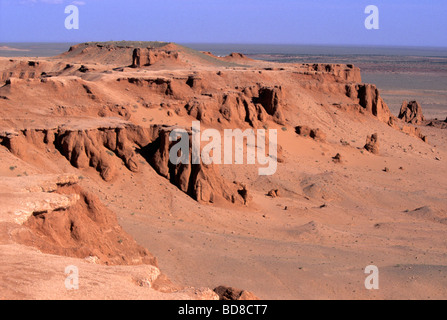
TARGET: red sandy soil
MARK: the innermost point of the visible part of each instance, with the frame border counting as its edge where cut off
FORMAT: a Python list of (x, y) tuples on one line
[(84, 172)]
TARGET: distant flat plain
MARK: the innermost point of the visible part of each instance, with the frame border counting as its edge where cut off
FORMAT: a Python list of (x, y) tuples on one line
[(399, 73)]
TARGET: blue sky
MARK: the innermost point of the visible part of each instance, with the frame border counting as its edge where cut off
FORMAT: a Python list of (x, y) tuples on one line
[(402, 23)]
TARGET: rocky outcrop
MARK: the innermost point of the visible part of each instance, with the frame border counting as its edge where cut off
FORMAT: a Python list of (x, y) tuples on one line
[(368, 97), (82, 228), (142, 57), (372, 144), (232, 294), (237, 55), (108, 53), (411, 112), (270, 99), (252, 105), (345, 72), (23, 197), (83, 148), (202, 182), (86, 228), (106, 148), (54, 214), (441, 124), (241, 106), (274, 193), (337, 158), (408, 129), (306, 131)]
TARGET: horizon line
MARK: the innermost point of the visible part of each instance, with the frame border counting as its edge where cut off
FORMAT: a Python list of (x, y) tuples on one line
[(240, 43)]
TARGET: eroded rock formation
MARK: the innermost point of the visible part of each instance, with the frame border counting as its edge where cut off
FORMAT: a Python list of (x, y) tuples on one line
[(368, 97), (142, 57), (411, 112), (372, 144), (346, 72), (83, 229), (105, 148), (232, 294), (305, 131)]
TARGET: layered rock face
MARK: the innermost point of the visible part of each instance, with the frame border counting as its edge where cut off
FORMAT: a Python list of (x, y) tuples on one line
[(106, 148), (347, 72), (117, 53), (411, 112), (227, 96), (202, 182), (83, 229), (54, 214), (245, 105), (142, 57), (270, 99), (252, 105), (368, 97)]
